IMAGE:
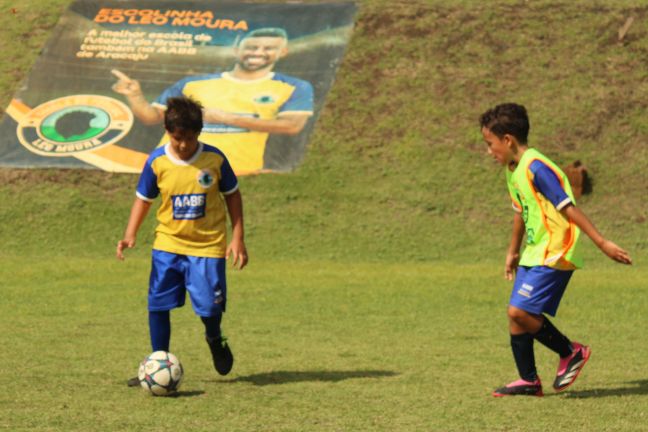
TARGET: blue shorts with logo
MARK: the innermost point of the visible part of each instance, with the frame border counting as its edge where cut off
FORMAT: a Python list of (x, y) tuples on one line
[(539, 289), (172, 275)]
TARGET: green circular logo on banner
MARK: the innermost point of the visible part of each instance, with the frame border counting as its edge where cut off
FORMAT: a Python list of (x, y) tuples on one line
[(75, 124)]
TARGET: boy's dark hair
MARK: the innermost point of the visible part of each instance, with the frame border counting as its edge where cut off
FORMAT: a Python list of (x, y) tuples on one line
[(507, 118), (183, 113)]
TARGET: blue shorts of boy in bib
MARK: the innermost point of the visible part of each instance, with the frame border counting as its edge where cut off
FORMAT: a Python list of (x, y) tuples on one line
[(539, 289)]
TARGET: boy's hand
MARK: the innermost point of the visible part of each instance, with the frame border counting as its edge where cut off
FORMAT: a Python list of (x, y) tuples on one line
[(512, 261), (237, 251), (123, 244), (615, 252)]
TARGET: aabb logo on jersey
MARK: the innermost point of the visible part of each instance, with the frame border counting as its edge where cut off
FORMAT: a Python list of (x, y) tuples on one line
[(189, 206), (74, 124)]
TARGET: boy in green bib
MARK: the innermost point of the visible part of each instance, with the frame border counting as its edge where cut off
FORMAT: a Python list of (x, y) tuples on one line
[(545, 210)]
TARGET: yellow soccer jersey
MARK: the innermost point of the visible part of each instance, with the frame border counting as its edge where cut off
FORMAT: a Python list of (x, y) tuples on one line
[(265, 98), (192, 214)]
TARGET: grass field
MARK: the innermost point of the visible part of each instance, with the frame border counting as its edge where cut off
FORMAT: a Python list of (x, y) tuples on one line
[(374, 299), (319, 346)]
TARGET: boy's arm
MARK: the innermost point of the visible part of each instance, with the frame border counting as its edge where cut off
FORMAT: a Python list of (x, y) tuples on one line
[(138, 213), (236, 248), (607, 247), (513, 255)]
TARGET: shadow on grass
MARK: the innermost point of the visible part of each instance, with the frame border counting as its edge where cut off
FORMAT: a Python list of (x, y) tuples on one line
[(632, 388), (286, 377), (181, 394)]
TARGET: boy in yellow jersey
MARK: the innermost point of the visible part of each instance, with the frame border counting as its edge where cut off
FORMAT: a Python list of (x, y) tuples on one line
[(242, 106), (197, 188), (545, 210)]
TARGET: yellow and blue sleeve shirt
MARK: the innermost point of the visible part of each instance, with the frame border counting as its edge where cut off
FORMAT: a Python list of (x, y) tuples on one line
[(547, 183), (266, 98), (192, 213), (539, 191)]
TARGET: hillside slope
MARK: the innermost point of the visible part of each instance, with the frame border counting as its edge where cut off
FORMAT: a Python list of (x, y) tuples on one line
[(396, 169)]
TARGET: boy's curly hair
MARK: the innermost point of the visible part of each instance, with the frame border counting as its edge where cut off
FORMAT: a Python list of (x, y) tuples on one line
[(507, 118)]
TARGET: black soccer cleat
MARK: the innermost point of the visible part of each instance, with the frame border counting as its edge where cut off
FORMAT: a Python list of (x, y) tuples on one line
[(520, 388), (221, 354), (133, 382)]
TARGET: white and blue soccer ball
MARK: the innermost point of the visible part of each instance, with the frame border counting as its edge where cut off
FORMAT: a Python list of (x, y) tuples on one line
[(160, 373)]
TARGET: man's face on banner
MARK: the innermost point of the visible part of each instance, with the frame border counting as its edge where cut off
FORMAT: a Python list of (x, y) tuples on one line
[(256, 53)]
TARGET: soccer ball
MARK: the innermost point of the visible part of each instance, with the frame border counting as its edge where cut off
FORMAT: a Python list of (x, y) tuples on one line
[(160, 373)]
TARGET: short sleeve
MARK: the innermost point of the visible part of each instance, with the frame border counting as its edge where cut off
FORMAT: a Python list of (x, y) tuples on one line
[(301, 99), (147, 188), (228, 182), (174, 91), (548, 184)]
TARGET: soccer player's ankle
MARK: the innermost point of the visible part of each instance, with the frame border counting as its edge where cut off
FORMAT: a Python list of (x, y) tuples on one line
[(572, 349), (212, 328), (212, 339), (552, 338), (530, 377)]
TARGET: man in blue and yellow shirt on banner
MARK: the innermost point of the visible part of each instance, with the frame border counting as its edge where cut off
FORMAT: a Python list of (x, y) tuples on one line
[(242, 106)]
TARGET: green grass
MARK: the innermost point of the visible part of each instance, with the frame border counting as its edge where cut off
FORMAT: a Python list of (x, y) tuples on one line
[(396, 168), (319, 346), (374, 299)]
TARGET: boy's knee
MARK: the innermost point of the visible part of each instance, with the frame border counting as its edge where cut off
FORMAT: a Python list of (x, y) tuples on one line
[(517, 315), (521, 320)]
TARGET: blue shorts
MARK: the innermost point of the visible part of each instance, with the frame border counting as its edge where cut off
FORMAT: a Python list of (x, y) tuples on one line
[(539, 289), (172, 275)]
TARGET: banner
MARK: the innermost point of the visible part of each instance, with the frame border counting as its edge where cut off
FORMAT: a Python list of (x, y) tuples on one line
[(95, 98)]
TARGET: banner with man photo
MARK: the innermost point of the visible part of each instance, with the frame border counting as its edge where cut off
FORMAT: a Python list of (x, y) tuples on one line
[(96, 96)]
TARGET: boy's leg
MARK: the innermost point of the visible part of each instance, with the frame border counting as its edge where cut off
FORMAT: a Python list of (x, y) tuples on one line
[(160, 332), (552, 338), (166, 291), (521, 324), (160, 329), (221, 353), (212, 326), (573, 355), (207, 288), (540, 292), (540, 328), (522, 346)]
